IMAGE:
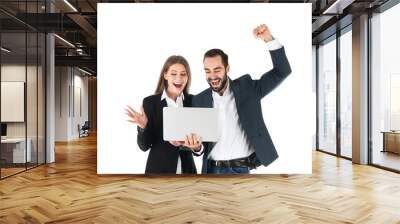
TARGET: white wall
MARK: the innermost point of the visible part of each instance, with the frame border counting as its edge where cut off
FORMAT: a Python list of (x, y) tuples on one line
[(70, 83), (61, 103), (80, 102)]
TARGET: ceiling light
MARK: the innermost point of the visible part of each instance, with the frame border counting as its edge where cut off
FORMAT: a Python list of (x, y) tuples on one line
[(64, 40), (338, 6), (84, 71), (70, 5), (5, 50)]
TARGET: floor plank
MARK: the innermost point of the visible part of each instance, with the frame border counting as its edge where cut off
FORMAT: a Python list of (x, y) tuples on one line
[(70, 191)]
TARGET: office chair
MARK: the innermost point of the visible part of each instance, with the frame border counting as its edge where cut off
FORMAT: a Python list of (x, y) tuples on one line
[(84, 130)]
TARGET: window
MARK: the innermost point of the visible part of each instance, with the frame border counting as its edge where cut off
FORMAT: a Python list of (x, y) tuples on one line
[(346, 93), (385, 89), (327, 96)]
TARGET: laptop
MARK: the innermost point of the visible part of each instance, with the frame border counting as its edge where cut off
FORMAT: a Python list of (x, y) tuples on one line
[(180, 121)]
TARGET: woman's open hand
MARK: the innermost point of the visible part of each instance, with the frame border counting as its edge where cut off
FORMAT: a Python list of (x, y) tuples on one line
[(135, 117)]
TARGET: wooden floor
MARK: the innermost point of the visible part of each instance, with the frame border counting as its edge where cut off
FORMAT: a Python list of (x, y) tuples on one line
[(5, 172), (70, 191), (8, 171)]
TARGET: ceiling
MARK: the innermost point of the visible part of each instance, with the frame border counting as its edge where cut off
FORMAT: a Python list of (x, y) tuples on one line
[(76, 22)]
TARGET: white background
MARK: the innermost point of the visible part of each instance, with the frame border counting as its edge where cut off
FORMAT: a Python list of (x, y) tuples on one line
[(134, 40)]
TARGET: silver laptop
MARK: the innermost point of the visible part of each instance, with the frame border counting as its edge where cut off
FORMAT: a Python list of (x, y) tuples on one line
[(180, 121)]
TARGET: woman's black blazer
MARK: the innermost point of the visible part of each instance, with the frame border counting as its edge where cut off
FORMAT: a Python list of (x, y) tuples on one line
[(163, 157)]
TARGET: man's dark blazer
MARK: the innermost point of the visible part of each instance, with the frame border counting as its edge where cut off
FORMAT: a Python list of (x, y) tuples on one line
[(248, 94), (163, 157)]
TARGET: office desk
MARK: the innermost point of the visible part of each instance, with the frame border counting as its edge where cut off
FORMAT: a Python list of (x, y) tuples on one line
[(391, 141), (13, 150)]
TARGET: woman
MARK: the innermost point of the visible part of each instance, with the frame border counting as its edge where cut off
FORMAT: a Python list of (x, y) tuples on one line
[(172, 91)]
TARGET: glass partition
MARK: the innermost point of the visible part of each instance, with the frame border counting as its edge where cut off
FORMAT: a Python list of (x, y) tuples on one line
[(22, 63), (14, 153)]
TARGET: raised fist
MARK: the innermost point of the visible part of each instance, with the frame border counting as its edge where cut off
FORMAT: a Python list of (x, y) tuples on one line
[(262, 32)]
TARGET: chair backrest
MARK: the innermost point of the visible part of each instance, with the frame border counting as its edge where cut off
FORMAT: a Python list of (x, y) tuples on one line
[(86, 125)]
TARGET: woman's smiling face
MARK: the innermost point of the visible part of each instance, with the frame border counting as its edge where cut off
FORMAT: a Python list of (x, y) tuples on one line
[(177, 78)]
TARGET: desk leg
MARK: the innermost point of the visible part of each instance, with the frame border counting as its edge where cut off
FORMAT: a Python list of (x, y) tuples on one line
[(384, 142)]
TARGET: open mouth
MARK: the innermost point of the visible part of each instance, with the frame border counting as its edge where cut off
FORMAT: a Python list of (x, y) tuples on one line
[(178, 86), (215, 82)]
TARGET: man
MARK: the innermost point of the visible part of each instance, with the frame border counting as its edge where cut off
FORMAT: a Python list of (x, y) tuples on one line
[(244, 141)]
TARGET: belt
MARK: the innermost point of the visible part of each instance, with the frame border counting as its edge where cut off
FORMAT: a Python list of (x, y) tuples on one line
[(246, 161)]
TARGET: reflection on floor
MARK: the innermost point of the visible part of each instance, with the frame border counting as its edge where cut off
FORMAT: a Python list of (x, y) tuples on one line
[(346, 152), (10, 169), (386, 159)]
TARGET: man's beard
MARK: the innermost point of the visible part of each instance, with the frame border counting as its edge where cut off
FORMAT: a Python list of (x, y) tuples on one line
[(220, 87)]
